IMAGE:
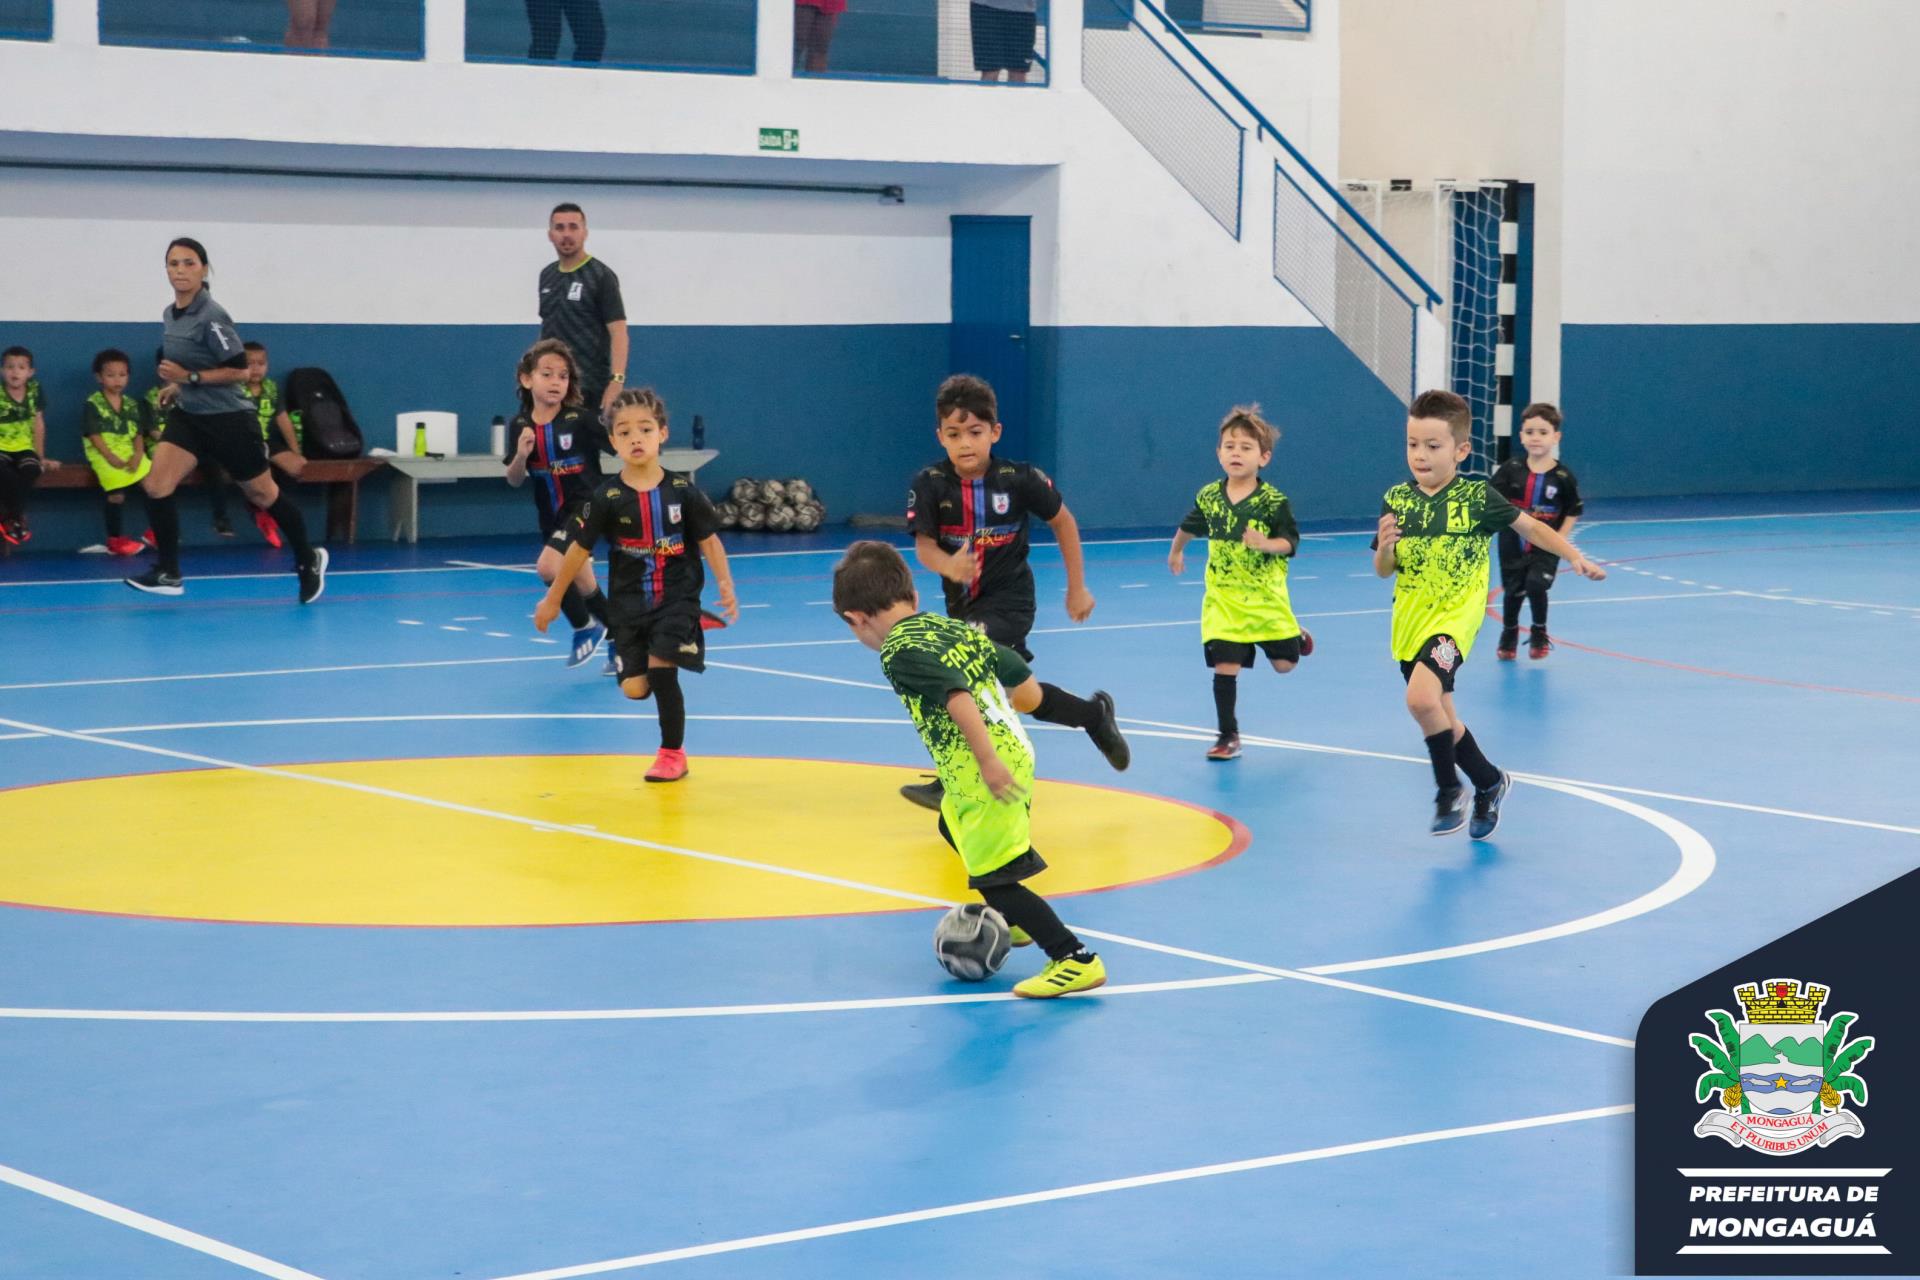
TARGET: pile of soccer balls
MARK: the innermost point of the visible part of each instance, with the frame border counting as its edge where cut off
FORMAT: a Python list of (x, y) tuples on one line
[(778, 506)]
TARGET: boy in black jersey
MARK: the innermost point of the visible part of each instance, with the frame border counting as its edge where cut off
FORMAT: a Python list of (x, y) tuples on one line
[(1536, 483), (968, 516), (554, 446), (651, 519)]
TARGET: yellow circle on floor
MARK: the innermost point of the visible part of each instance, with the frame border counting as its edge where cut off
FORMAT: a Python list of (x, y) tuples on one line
[(539, 840)]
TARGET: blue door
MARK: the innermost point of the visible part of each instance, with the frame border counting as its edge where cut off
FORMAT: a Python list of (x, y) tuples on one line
[(989, 333)]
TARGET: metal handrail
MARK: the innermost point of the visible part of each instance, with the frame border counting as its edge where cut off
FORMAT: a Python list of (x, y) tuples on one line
[(1265, 126)]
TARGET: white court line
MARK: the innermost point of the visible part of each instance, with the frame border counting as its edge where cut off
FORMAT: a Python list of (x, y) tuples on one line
[(452, 566), (814, 877), (1772, 593), (152, 1226), (612, 1015), (635, 1261), (733, 648)]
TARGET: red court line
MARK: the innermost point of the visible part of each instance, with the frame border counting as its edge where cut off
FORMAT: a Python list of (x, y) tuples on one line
[(1493, 613)]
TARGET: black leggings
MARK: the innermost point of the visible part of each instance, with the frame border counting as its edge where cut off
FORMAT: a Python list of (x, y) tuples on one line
[(19, 471), (589, 29), (1526, 575)]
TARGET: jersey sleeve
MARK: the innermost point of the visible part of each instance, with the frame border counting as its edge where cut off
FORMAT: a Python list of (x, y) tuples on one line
[(917, 671), (1281, 524), (1507, 481), (1010, 668), (923, 506), (612, 306), (1039, 495), (698, 520), (589, 522), (1575, 506), (222, 342), (1195, 522), (1498, 513), (92, 421)]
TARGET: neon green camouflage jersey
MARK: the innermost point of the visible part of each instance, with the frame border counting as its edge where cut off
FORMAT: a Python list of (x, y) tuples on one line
[(1442, 556), (926, 658), (16, 418), (267, 404), (1246, 598), (156, 417), (118, 429)]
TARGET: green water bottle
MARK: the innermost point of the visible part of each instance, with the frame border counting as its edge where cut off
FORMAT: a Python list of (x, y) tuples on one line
[(419, 439)]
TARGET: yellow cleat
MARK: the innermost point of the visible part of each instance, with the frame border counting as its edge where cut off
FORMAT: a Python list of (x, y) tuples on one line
[(1020, 937), (1063, 978)]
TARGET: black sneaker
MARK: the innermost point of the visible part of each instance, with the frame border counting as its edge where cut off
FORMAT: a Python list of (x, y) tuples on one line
[(925, 794), (1106, 733), (157, 582), (15, 531), (1486, 807), (1225, 747), (313, 576), (1509, 644), (223, 526), (1449, 810), (1538, 645)]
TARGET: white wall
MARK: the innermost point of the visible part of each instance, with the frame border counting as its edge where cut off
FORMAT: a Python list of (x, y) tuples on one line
[(1466, 89), (1742, 161)]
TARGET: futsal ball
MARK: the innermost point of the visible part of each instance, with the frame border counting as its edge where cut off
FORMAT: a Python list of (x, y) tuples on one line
[(971, 941), (724, 512), (773, 491), (780, 519), (752, 515), (806, 518), (799, 491), (745, 491)]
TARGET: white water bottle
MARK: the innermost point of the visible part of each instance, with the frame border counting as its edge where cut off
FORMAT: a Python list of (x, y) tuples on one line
[(499, 436)]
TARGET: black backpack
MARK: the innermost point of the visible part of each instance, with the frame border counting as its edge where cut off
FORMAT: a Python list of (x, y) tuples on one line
[(326, 423)]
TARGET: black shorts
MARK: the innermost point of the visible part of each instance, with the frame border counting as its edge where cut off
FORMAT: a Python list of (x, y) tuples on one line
[(1440, 655), (1024, 867), (24, 461), (1002, 39), (1522, 571), (1001, 622), (672, 633), (1239, 651), (230, 441)]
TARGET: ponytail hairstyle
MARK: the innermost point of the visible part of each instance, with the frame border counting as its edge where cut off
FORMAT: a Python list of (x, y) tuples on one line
[(531, 361), (637, 398)]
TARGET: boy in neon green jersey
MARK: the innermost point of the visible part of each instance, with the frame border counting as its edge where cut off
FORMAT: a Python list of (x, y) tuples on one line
[(23, 441), (963, 692), (111, 435), (1434, 533), (1251, 538)]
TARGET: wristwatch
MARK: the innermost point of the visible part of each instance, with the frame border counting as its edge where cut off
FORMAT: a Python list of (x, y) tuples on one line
[(194, 378), (619, 377)]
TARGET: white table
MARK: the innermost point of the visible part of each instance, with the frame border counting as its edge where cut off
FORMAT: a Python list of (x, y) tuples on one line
[(409, 473)]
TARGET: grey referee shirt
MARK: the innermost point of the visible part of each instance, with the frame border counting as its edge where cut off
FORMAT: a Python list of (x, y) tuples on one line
[(201, 338)]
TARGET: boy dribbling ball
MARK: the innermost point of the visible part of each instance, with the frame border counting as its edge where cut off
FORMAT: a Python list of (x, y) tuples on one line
[(1433, 533)]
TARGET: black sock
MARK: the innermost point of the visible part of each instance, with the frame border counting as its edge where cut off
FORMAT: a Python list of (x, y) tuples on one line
[(1539, 601), (1474, 761), (216, 494), (1440, 750), (1224, 690), (1510, 610), (575, 608), (1057, 706), (164, 515), (1028, 910), (671, 705), (116, 526), (597, 606), (13, 490), (294, 526)]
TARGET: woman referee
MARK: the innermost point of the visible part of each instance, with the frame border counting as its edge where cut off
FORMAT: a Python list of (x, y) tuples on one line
[(212, 420)]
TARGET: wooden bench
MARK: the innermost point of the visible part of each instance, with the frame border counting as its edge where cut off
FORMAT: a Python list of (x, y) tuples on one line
[(342, 476)]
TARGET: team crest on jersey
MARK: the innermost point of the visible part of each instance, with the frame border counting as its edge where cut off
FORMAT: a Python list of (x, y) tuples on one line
[(1446, 654), (1552, 489), (673, 513), (1783, 1073), (566, 439), (1001, 502), (573, 291)]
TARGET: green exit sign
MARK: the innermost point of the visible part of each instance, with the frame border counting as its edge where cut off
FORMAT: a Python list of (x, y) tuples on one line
[(779, 139)]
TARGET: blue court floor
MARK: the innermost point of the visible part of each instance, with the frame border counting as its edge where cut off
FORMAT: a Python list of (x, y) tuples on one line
[(1351, 1049)]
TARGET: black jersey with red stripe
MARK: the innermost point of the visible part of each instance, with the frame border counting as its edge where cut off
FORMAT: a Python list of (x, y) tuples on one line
[(990, 512), (1548, 496), (563, 467), (653, 539)]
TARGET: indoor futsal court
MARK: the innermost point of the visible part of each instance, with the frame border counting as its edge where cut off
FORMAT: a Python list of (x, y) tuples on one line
[(354, 947)]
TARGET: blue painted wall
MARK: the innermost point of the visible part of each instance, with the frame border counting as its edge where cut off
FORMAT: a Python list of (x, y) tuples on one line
[(1134, 416), (850, 407), (1751, 408)]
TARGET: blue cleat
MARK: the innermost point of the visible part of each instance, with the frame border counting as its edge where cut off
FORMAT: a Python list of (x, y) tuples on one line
[(585, 641), (1449, 810)]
